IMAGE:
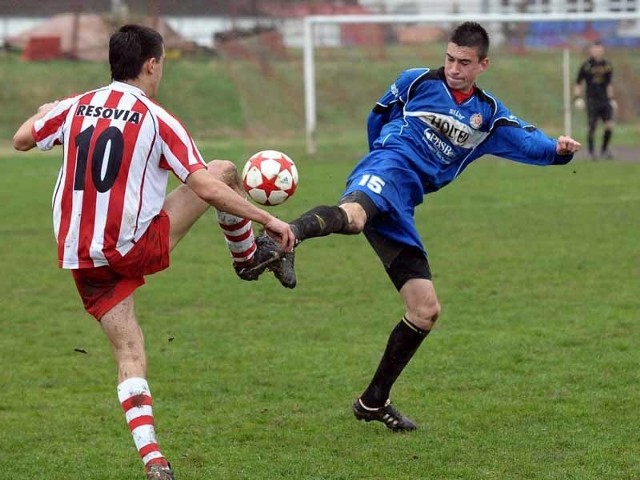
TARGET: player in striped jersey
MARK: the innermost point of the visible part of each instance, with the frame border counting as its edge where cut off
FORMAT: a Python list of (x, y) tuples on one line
[(114, 222), (424, 131)]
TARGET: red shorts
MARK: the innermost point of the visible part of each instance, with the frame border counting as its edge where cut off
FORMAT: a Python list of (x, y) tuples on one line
[(102, 288)]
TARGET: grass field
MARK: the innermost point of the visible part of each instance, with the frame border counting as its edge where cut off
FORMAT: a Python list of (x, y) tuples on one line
[(531, 373)]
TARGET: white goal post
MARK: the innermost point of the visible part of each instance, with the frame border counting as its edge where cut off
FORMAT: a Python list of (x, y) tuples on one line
[(311, 21)]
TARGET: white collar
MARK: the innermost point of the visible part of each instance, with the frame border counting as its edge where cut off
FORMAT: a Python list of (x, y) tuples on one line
[(126, 87)]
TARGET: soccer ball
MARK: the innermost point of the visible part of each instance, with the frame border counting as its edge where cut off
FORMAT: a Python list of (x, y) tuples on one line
[(270, 177)]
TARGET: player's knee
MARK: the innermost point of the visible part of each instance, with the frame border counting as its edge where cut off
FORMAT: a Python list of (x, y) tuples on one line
[(356, 218), (355, 225), (223, 170), (425, 314)]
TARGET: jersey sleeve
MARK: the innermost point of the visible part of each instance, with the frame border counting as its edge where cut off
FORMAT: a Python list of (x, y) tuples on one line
[(179, 151), (514, 139), (48, 130), (390, 106), (608, 77), (581, 74)]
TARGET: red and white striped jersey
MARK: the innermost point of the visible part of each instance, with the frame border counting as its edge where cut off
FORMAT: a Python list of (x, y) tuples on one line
[(119, 146)]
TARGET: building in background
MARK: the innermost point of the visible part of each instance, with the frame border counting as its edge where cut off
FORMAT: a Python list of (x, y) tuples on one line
[(206, 23)]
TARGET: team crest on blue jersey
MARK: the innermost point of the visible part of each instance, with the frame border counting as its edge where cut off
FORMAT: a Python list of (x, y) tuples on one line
[(475, 121)]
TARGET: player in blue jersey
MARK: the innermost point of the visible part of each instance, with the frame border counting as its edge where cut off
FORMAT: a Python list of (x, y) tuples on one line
[(424, 131)]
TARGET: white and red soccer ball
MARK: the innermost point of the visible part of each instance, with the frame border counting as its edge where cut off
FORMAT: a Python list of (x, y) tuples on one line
[(270, 177)]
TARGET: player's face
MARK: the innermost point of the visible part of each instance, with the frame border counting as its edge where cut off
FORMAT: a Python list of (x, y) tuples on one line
[(596, 52), (462, 65)]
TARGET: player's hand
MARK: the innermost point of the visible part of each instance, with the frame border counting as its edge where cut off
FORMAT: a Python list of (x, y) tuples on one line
[(567, 145), (613, 104), (578, 103), (281, 232), (47, 107)]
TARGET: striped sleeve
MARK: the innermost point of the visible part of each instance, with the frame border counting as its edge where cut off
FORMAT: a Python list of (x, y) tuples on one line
[(179, 151), (47, 131)]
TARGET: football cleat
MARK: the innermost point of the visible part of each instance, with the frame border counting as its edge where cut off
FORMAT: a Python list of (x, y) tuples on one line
[(283, 268), (388, 415), (160, 472), (266, 254)]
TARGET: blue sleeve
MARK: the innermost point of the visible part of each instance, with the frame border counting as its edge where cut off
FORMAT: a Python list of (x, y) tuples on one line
[(390, 106), (516, 140)]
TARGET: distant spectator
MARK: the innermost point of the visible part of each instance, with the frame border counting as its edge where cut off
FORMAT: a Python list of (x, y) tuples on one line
[(596, 75)]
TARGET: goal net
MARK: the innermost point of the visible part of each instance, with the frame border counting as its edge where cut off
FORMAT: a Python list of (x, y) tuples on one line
[(534, 60)]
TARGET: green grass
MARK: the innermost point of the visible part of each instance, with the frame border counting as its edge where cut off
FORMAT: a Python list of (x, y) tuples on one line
[(531, 373)]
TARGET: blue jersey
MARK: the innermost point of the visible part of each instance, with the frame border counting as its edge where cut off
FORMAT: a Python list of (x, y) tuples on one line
[(421, 139)]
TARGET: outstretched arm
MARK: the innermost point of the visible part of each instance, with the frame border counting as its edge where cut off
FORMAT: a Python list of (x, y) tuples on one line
[(527, 144), (222, 197), (567, 145), (23, 138)]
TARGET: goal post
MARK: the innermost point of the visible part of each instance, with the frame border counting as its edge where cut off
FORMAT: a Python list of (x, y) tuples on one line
[(309, 47)]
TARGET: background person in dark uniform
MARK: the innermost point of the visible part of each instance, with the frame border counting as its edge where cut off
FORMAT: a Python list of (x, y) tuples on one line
[(596, 74)]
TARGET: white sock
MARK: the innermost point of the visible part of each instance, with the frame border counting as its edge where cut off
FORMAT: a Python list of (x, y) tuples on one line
[(135, 398), (238, 234)]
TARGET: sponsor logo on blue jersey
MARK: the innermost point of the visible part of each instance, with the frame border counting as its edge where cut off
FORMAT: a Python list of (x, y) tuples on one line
[(476, 121), (456, 131), (456, 113), (437, 143)]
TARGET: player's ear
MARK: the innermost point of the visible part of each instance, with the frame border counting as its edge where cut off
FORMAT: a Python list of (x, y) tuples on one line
[(150, 65), (484, 64), (153, 64)]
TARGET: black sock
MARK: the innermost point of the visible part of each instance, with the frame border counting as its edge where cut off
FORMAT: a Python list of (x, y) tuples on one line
[(590, 143), (403, 343), (319, 222), (606, 137)]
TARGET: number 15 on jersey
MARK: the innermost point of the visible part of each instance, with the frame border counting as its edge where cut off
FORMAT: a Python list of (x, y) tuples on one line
[(372, 182)]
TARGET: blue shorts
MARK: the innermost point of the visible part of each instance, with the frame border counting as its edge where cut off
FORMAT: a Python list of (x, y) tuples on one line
[(395, 190)]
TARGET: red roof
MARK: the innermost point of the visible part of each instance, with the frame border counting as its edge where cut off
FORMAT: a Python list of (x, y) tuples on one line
[(305, 9)]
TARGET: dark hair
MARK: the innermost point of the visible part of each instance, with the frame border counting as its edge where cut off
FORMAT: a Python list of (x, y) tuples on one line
[(473, 35), (130, 47)]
